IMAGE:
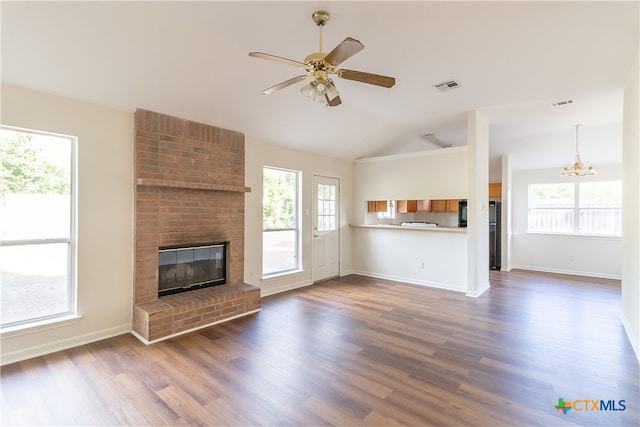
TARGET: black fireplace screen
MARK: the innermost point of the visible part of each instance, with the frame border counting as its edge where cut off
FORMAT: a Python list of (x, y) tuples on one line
[(186, 268)]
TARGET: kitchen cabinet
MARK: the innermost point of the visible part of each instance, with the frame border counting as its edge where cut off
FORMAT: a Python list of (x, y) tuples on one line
[(424, 206), (452, 206), (444, 206), (439, 206), (406, 206), (376, 206), (495, 190)]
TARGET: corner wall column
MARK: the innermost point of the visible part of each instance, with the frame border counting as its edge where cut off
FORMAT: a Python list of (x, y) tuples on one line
[(478, 200), (631, 207)]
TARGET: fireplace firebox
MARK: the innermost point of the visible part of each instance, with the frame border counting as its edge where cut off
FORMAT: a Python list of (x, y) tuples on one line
[(188, 267)]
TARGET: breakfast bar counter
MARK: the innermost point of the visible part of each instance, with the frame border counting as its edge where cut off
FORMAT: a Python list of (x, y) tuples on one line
[(420, 254), (446, 229)]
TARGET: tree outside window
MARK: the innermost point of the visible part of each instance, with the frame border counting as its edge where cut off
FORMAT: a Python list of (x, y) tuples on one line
[(280, 235), (36, 226)]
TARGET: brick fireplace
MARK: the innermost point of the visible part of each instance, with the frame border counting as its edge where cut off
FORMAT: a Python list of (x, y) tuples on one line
[(189, 190)]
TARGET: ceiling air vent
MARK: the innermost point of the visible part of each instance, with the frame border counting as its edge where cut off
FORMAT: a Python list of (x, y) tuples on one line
[(558, 104), (448, 85)]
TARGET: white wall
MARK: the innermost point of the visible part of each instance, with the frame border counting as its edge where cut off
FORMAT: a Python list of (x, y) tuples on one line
[(507, 209), (105, 216), (631, 208), (421, 257), (478, 207), (258, 155), (399, 254), (435, 174), (592, 256)]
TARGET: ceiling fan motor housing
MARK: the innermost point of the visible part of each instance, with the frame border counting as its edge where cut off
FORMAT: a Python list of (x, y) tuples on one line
[(320, 17)]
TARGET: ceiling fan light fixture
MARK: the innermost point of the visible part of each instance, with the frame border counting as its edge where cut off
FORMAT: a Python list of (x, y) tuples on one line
[(308, 90), (577, 168), (332, 92), (319, 91)]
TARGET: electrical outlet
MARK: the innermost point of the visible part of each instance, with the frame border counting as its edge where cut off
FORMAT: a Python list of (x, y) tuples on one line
[(421, 264), (571, 258)]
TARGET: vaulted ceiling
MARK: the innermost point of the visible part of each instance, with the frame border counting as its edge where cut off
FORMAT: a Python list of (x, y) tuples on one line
[(512, 60)]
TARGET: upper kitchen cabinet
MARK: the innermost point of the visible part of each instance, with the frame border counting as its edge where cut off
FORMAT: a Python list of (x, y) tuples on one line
[(424, 206), (438, 205), (452, 205), (407, 206), (495, 190), (444, 206), (377, 206)]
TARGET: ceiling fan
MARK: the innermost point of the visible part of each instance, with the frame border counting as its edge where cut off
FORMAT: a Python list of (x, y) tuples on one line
[(319, 66)]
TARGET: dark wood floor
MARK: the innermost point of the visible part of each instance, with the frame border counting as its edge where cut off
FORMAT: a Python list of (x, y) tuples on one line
[(356, 351)]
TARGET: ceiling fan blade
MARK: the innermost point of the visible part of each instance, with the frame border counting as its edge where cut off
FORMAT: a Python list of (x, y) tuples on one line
[(333, 102), (343, 51), (284, 84), (277, 59), (373, 79)]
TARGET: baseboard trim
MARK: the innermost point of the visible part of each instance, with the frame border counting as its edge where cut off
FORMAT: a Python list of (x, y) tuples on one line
[(444, 286), (64, 344), (479, 292), (635, 345), (569, 272), (284, 288)]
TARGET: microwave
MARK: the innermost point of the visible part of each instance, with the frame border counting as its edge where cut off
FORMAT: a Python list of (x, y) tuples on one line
[(462, 213)]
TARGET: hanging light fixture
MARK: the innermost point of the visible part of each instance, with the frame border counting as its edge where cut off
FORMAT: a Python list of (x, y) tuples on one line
[(320, 90), (577, 168)]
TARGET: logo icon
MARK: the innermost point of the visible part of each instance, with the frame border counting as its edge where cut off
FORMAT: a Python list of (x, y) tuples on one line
[(590, 405), (563, 406)]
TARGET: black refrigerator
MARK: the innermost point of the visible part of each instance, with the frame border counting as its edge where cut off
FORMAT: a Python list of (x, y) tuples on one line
[(494, 235)]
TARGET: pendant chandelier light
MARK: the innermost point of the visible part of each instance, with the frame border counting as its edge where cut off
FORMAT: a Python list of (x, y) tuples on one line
[(577, 168)]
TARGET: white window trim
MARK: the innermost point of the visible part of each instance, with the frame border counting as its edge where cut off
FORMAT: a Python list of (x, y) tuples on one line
[(71, 316), (39, 325), (298, 228), (576, 216)]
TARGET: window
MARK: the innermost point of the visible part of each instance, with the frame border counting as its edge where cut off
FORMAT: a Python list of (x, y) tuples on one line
[(590, 208), (326, 219), (280, 229), (390, 213), (37, 226)]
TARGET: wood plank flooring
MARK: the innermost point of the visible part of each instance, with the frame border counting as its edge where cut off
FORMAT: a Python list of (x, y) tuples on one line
[(356, 351)]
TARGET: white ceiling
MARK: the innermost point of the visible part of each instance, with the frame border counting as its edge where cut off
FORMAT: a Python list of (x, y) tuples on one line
[(190, 59)]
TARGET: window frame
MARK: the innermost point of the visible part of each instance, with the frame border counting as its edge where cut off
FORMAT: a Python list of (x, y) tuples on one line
[(296, 228), (71, 240), (390, 213), (576, 210), (321, 213)]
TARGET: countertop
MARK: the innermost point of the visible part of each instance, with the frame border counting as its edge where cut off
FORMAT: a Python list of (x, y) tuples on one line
[(440, 229)]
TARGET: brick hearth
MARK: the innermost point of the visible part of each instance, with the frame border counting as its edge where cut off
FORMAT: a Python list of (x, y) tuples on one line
[(189, 190)]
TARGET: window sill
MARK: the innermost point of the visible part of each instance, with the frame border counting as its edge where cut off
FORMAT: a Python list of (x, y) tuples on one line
[(33, 327), (574, 235), (281, 274)]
